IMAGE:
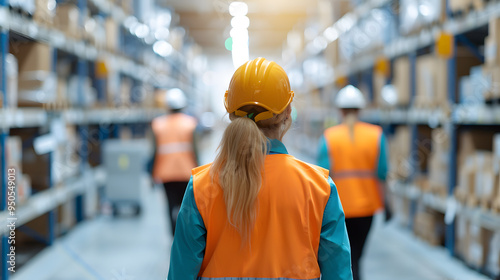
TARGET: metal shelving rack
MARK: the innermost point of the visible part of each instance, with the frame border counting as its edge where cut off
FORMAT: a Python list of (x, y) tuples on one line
[(73, 188), (4, 133), (451, 120)]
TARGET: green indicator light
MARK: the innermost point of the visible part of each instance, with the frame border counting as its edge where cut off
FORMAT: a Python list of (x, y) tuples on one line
[(229, 44)]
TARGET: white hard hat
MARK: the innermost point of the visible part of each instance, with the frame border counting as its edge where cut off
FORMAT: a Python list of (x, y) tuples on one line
[(175, 99), (350, 97)]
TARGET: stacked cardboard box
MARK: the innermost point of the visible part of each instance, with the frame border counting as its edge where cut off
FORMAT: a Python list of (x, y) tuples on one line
[(493, 263), (478, 245), (36, 82), (491, 68), (430, 227), (475, 243), (399, 146), (112, 31), (478, 177), (14, 158), (465, 5), (68, 20), (44, 12), (439, 162), (401, 80)]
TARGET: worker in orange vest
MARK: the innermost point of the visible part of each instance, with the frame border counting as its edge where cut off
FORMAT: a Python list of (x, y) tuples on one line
[(175, 152), (257, 212), (356, 155)]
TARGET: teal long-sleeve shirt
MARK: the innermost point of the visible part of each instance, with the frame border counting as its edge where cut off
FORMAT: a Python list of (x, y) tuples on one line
[(382, 165), (334, 256)]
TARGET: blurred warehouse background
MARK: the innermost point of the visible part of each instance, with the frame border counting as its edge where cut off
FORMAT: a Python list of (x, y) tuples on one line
[(81, 81)]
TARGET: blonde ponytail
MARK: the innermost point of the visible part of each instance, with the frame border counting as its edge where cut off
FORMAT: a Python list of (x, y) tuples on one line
[(237, 169)]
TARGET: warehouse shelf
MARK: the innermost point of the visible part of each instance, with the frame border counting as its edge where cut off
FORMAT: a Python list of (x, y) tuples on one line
[(45, 201), (425, 38), (17, 118), (29, 28), (33, 117), (478, 114), (431, 117), (485, 219), (119, 115)]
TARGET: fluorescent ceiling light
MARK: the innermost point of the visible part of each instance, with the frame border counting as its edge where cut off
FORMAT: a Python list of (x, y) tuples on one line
[(238, 9)]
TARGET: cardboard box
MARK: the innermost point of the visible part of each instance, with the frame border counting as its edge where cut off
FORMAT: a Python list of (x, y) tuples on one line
[(493, 263), (23, 189), (32, 56), (112, 31), (379, 81), (460, 5), (12, 81), (462, 236), (44, 12), (401, 80), (479, 245), (399, 145), (68, 20), (425, 83), (36, 82), (430, 227)]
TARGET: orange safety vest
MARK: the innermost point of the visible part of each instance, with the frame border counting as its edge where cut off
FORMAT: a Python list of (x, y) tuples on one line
[(285, 238), (353, 164), (174, 147)]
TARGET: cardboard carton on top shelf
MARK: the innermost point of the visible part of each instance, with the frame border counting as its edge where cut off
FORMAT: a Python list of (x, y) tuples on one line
[(36, 82), (460, 5), (340, 8), (111, 30), (44, 13), (401, 80), (32, 56), (67, 20)]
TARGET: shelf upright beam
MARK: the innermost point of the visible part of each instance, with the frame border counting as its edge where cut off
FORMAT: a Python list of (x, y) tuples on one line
[(82, 69), (4, 133), (413, 133), (52, 213), (450, 229)]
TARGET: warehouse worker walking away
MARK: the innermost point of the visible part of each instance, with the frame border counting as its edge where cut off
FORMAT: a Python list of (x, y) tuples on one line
[(356, 155), (257, 212), (175, 150)]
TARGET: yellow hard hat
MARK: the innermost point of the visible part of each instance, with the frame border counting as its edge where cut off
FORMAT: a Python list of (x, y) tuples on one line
[(259, 82)]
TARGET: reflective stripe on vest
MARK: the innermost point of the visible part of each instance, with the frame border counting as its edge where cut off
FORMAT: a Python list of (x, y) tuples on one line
[(355, 174), (251, 278), (354, 166), (173, 148), (286, 234)]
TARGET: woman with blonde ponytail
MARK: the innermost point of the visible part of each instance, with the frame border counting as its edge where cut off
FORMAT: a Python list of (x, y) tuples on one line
[(257, 212), (356, 155)]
